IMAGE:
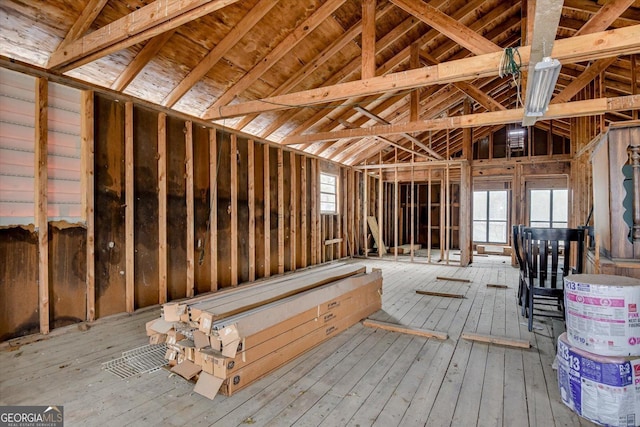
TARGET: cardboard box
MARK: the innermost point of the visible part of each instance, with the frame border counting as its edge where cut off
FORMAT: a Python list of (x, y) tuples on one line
[(172, 311), (174, 336), (158, 326), (206, 323), (208, 385), (186, 369), (157, 339), (207, 359), (274, 360), (200, 339), (220, 365)]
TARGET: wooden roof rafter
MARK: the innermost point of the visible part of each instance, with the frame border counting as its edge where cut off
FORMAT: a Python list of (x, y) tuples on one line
[(140, 25), (581, 48)]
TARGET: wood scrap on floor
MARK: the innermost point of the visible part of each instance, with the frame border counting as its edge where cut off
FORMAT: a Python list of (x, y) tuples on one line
[(405, 329), (493, 339), (453, 279), (497, 286), (227, 341), (439, 294)]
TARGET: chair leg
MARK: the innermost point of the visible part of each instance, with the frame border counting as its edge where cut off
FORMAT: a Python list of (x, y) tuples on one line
[(523, 301), (530, 306)]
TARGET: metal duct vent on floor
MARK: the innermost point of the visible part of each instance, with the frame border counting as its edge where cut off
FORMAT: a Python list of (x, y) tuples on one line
[(140, 360)]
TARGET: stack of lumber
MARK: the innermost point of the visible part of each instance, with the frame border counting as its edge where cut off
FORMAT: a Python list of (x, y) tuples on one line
[(228, 340)]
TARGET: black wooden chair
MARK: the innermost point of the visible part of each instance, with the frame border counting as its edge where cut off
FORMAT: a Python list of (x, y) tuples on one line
[(548, 254), (519, 252)]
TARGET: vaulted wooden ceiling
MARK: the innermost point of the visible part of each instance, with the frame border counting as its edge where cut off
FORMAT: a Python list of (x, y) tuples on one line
[(347, 80)]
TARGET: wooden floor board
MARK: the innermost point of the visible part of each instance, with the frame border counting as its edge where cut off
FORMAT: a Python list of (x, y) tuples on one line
[(360, 377)]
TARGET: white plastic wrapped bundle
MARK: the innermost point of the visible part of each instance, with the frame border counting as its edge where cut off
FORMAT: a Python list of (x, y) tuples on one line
[(602, 313), (603, 389)]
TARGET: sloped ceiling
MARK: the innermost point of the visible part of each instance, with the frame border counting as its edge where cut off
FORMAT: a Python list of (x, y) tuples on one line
[(304, 60)]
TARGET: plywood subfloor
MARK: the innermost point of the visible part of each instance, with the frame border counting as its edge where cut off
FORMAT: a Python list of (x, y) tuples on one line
[(362, 377)]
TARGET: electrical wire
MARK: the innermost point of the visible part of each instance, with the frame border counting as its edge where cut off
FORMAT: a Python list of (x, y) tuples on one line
[(510, 64)]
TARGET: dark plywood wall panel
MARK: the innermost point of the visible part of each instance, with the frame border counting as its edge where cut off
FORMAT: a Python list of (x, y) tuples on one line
[(145, 173), (224, 210), (243, 211), (67, 274), (18, 283), (176, 210), (258, 174), (202, 264), (273, 185), (110, 205), (286, 171)]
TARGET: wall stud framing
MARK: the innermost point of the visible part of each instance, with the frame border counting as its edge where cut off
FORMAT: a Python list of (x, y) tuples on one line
[(41, 206), (88, 193), (162, 208), (188, 141), (129, 210)]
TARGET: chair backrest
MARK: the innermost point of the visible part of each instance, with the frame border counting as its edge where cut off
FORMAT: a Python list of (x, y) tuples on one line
[(544, 248), (518, 246)]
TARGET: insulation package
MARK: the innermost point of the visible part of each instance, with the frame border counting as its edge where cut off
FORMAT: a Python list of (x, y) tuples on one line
[(603, 389), (602, 314)]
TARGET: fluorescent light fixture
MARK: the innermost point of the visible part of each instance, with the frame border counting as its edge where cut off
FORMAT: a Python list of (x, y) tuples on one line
[(545, 76)]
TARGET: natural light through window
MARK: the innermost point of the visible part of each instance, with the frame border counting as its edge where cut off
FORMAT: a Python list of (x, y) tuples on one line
[(490, 216), (549, 208), (328, 193)]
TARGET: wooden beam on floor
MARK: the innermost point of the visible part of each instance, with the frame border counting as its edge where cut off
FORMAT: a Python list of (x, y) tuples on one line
[(492, 339), (439, 294), (405, 329), (453, 279)]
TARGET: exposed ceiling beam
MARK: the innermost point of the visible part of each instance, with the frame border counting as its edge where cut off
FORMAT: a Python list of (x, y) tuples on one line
[(545, 27), (416, 141), (82, 24), (383, 139), (465, 87), (140, 25), (368, 39), (285, 46), (570, 109), (582, 80), (605, 16), (147, 53), (231, 39), (328, 53), (591, 46), (448, 26)]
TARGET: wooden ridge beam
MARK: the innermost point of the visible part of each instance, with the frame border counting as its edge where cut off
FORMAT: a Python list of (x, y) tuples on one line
[(231, 39), (555, 111), (285, 46), (575, 49), (140, 25), (448, 26)]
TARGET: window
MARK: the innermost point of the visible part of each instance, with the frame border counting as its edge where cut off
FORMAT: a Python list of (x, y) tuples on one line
[(328, 193), (490, 216), (549, 208)]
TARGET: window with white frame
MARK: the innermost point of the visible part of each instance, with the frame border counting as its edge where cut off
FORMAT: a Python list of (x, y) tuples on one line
[(490, 216), (328, 193), (549, 208)]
